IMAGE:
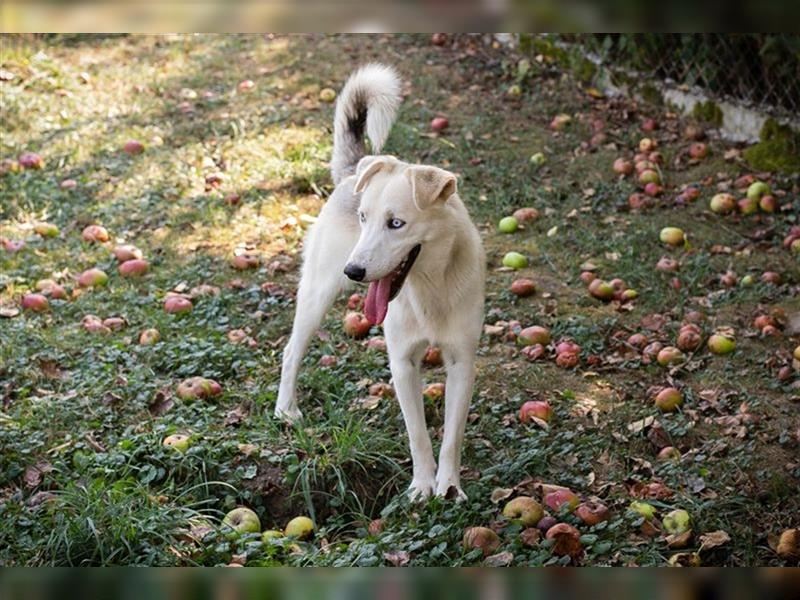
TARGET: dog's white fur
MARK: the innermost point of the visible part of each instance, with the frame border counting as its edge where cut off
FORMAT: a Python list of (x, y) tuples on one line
[(441, 302)]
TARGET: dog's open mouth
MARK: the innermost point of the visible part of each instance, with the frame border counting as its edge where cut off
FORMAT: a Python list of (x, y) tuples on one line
[(384, 290)]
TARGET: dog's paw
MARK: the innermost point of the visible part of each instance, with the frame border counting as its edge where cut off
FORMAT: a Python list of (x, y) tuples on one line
[(289, 415), (421, 489), (451, 492)]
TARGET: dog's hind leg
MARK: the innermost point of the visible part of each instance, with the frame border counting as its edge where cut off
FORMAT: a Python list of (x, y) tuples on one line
[(322, 280)]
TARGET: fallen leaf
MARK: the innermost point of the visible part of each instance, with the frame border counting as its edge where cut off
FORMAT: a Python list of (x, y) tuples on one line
[(714, 539), (501, 494), (161, 402), (399, 558), (501, 559)]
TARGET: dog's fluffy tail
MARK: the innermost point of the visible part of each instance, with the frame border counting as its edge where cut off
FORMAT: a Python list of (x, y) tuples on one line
[(369, 100)]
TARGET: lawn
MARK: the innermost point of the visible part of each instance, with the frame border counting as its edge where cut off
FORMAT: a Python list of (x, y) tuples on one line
[(234, 144)]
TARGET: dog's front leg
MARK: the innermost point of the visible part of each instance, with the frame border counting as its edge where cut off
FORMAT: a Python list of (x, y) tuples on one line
[(408, 385), (458, 393)]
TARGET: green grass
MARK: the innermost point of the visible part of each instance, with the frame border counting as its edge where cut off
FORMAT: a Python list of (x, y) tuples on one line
[(84, 478)]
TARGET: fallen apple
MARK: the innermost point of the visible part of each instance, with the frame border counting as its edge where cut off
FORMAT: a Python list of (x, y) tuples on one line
[(241, 520), (757, 189), (356, 325), (534, 335), (667, 264), (246, 85), (127, 252), (515, 260), (561, 499), (698, 150), (722, 203), (689, 340), (481, 538), (685, 559), (647, 145), (638, 340), (434, 392), (587, 277), (133, 147), (93, 278), (523, 510), (721, 344), (649, 176), (567, 347), (653, 190), (638, 201), (728, 279), (355, 302), (381, 390), (176, 441), (327, 95), (771, 277), (35, 302), (523, 287), (567, 360), (31, 160), (768, 203), (650, 352), (95, 233), (533, 353), (433, 357), (177, 305), (748, 206), (566, 540), (328, 360), (623, 167), (514, 91), (46, 230), (133, 268), (677, 522), (668, 399), (508, 225), (672, 236), (539, 409), (670, 355), (439, 39), (300, 528), (527, 213), (50, 288), (198, 388), (114, 323), (669, 453), (643, 509), (94, 324), (762, 321), (439, 124), (560, 121), (788, 545), (796, 353), (602, 290), (649, 125), (593, 513), (68, 184), (270, 534), (545, 523), (148, 337), (245, 261), (537, 159)]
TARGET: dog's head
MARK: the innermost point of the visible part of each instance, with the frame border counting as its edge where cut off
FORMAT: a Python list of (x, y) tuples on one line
[(400, 212)]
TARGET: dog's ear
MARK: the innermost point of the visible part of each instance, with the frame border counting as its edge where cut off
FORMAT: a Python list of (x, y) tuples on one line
[(367, 167), (430, 185)]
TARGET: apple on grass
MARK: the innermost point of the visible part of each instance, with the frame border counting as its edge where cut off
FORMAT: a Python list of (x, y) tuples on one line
[(515, 260), (127, 252), (561, 499), (524, 510), (177, 305), (481, 538), (757, 189), (535, 409), (93, 278), (677, 522), (241, 520), (643, 509), (300, 528), (523, 287), (356, 325), (672, 236), (534, 335), (95, 233), (148, 337), (566, 540), (592, 513), (177, 441), (134, 268), (195, 388), (508, 225), (46, 230), (668, 399), (35, 302)]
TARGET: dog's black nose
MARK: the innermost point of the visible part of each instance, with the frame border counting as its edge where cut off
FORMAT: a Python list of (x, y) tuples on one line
[(355, 272)]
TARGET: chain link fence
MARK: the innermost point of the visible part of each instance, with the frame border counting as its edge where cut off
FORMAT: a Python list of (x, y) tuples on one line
[(755, 71)]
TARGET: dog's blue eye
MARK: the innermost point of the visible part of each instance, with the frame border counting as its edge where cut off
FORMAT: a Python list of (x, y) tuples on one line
[(395, 223)]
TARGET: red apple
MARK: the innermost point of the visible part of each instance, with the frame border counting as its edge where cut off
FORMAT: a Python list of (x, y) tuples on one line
[(35, 302), (198, 388), (127, 252), (439, 39), (698, 150), (523, 287), (434, 391), (356, 325), (439, 124), (689, 340), (94, 324), (587, 277), (134, 268), (768, 203), (355, 301), (561, 499), (526, 213), (433, 357), (95, 233), (31, 160), (567, 540), (381, 390), (535, 408), (653, 189), (177, 305), (245, 261), (623, 167), (114, 323), (533, 352), (133, 147), (667, 264), (602, 290), (638, 201), (649, 125), (771, 277), (593, 513), (246, 85), (638, 340)]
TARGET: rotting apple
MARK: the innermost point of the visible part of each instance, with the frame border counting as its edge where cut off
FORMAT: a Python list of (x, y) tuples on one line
[(562, 499), (245, 261), (526, 213), (127, 252), (669, 453), (533, 352), (433, 357), (748, 206), (623, 167), (771, 277), (677, 522), (566, 540), (667, 264), (95, 233), (177, 441), (482, 538), (434, 392), (593, 513), (327, 95), (177, 305), (31, 160), (46, 230), (643, 509), (647, 145), (722, 203), (560, 121), (698, 150), (670, 355), (148, 337), (768, 203)]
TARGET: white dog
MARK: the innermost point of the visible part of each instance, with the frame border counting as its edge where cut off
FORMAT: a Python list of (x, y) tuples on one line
[(403, 229)]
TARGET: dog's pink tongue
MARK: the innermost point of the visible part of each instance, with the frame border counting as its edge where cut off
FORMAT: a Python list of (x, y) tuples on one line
[(377, 303)]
